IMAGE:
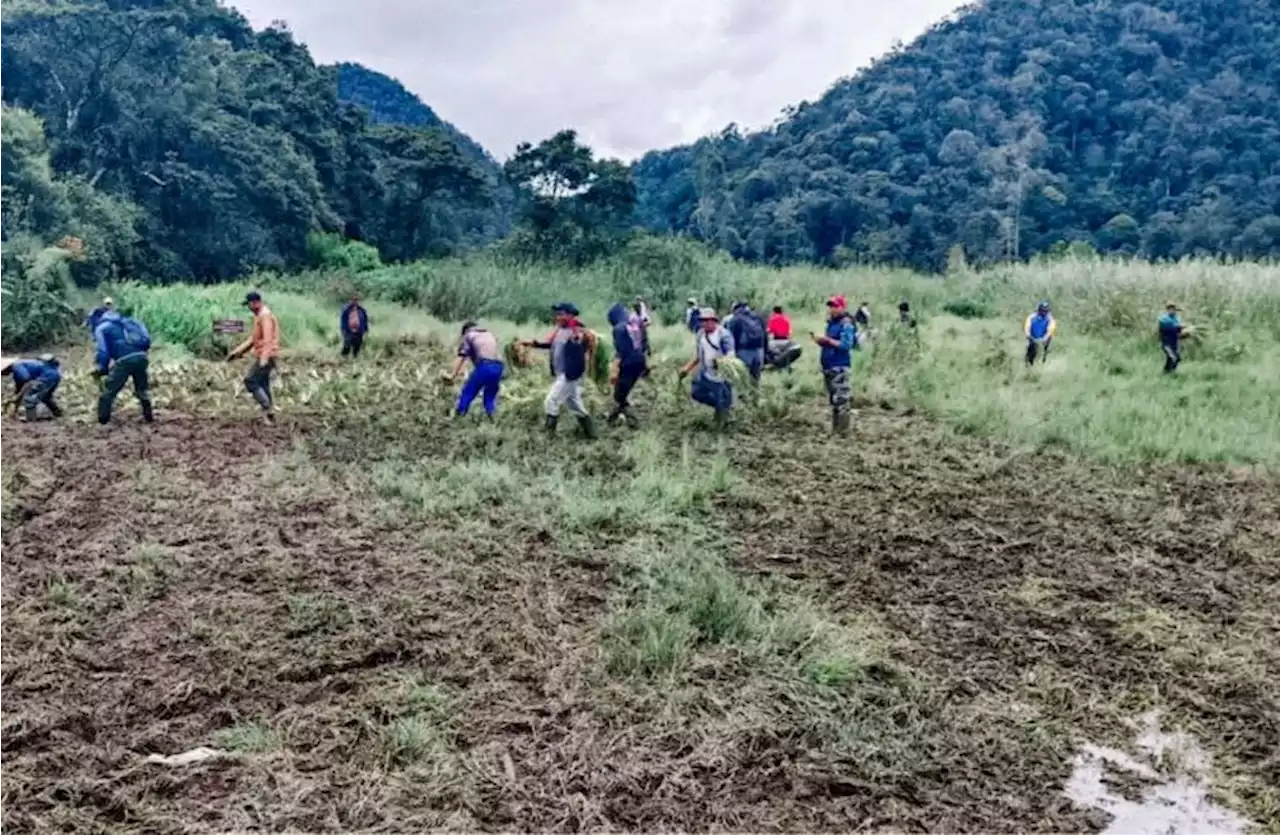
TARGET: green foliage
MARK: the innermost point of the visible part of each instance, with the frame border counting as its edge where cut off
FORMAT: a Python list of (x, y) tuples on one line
[(232, 144), (36, 285), (575, 208), (1135, 128), (330, 251)]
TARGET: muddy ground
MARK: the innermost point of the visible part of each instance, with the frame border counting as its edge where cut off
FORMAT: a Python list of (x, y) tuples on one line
[(169, 588)]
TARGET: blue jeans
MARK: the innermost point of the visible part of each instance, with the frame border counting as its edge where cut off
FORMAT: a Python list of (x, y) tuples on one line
[(486, 377)]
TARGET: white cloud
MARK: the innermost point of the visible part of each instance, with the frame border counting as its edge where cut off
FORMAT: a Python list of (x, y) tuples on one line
[(629, 75)]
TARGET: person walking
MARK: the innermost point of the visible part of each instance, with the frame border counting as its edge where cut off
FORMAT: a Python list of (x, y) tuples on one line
[(122, 347), (34, 382), (264, 345), (838, 343), (1039, 328), (714, 343), (749, 337), (691, 316), (481, 347), (629, 363), (1171, 333), (570, 347), (354, 324)]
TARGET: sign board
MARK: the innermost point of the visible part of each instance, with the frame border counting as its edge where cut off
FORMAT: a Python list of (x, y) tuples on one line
[(228, 326)]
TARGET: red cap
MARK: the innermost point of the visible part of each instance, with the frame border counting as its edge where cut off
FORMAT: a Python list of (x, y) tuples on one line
[(837, 301)]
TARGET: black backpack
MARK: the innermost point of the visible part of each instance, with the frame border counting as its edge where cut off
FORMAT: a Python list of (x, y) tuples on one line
[(750, 330)]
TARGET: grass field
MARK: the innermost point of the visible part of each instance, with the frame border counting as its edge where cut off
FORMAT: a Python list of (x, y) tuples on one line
[(390, 620)]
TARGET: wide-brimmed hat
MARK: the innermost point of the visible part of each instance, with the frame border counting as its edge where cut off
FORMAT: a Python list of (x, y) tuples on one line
[(709, 313)]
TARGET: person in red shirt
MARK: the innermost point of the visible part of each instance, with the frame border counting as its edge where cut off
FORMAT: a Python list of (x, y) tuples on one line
[(779, 326)]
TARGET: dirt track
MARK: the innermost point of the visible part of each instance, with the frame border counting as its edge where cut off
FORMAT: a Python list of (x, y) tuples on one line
[(1030, 603)]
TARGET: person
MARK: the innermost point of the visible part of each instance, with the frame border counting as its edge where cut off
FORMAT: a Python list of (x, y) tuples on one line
[(570, 347), (713, 344), (481, 347), (748, 338), (122, 345), (34, 382), (904, 314), (644, 317), (862, 318), (691, 317), (838, 343), (1171, 331), (354, 324), (629, 363), (264, 344), (779, 326), (1039, 328)]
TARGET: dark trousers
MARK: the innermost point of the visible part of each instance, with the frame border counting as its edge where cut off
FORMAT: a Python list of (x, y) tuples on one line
[(1033, 348), (258, 382), (125, 369), (628, 376), (40, 391), (1172, 356), (351, 344)]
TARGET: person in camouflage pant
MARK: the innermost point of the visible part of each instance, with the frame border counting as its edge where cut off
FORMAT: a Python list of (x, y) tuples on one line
[(838, 344)]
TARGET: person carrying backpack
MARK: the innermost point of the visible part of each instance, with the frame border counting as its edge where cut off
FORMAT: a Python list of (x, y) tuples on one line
[(570, 347), (748, 338), (710, 388), (122, 345), (34, 382), (629, 363)]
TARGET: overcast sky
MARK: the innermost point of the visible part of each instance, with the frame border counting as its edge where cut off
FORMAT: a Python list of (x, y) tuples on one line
[(629, 75)]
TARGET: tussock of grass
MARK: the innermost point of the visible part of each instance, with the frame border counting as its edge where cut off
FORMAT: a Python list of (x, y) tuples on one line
[(251, 738)]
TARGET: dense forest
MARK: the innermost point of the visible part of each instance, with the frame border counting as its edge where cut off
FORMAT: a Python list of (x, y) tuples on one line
[(1148, 128), (174, 142)]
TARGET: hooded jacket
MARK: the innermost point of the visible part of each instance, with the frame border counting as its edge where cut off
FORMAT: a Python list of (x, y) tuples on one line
[(628, 338)]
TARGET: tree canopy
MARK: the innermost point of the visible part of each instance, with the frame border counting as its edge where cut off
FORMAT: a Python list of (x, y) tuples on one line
[(1148, 128), (229, 146)]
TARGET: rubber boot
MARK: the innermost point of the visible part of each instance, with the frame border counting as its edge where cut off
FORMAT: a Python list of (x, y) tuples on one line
[(840, 422), (612, 419), (148, 415), (722, 420), (54, 408), (550, 424), (29, 414), (633, 422), (588, 426)]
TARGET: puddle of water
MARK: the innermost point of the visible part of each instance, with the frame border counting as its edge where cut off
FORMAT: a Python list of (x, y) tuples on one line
[(1178, 804)]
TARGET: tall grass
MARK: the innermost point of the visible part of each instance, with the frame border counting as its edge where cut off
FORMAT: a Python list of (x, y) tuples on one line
[(1101, 390)]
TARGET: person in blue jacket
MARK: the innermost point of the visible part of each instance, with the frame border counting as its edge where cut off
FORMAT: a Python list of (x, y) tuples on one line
[(34, 382), (838, 343), (629, 363), (354, 324), (122, 345)]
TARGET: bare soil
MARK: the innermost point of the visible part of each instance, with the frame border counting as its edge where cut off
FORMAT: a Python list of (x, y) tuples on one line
[(164, 585)]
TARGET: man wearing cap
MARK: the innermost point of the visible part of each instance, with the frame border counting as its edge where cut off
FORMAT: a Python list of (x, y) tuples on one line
[(1171, 331), (122, 355), (353, 323), (748, 338), (570, 348), (34, 382), (264, 344), (1039, 328), (837, 344), (713, 344), (481, 347)]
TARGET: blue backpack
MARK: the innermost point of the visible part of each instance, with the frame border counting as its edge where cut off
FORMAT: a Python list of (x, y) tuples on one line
[(135, 334)]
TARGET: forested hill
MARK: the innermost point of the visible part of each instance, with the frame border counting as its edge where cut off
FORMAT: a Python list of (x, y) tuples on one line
[(177, 142), (1139, 127)]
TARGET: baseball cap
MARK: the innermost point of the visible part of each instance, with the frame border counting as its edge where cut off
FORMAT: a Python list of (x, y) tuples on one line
[(567, 308), (837, 301), (252, 296)]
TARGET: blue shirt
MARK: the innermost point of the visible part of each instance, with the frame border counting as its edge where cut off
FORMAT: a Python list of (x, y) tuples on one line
[(24, 371), (1170, 328), (843, 332)]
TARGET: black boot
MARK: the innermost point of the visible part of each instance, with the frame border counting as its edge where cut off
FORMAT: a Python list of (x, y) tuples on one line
[(54, 408), (148, 414), (633, 422), (612, 419), (550, 425), (588, 426)]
